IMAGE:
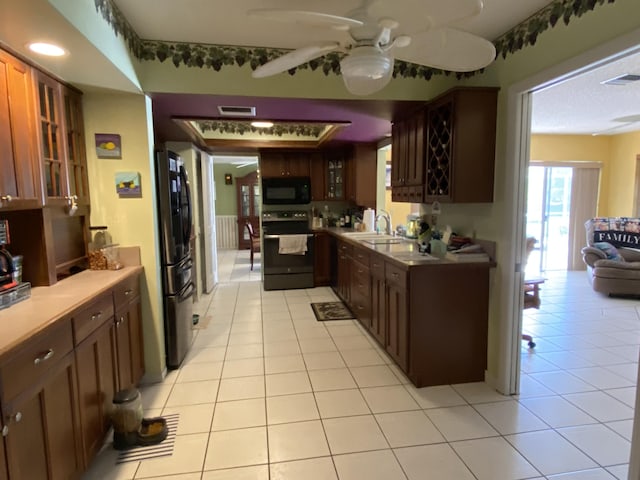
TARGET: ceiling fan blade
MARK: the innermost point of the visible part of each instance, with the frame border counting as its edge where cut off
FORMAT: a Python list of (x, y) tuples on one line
[(448, 49), (315, 19), (421, 15), (293, 59)]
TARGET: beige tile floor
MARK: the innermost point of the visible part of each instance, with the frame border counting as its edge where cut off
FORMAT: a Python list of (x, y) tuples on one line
[(267, 392)]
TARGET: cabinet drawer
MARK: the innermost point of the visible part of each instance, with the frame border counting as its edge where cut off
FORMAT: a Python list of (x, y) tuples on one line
[(361, 256), (126, 291), (33, 358), (345, 248), (362, 281), (94, 314), (361, 307), (395, 275), (376, 266)]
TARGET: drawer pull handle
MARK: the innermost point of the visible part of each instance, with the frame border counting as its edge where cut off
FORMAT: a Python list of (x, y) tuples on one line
[(395, 275), (96, 316), (6, 198), (376, 265), (128, 292), (5, 431), (44, 357)]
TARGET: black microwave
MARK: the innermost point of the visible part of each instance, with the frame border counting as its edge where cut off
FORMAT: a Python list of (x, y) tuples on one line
[(286, 190)]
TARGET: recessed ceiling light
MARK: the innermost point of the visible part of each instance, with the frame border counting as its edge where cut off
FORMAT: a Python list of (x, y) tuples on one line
[(262, 124), (48, 49)]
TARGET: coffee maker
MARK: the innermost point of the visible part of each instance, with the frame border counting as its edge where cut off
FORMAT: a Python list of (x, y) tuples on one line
[(6, 260)]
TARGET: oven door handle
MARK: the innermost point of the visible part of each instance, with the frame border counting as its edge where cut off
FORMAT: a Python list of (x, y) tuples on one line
[(285, 234)]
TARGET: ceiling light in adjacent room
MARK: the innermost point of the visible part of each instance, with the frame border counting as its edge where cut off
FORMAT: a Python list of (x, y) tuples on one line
[(48, 49), (262, 124)]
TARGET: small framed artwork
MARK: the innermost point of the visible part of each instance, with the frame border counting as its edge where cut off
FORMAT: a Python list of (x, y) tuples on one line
[(128, 184), (108, 145), (228, 179)]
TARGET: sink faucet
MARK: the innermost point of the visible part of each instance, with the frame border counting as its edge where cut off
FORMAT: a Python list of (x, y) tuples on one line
[(387, 217)]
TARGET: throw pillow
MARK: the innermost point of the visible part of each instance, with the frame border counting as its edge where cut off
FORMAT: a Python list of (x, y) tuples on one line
[(610, 251)]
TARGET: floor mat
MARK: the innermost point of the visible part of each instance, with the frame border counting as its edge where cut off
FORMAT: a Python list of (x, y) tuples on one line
[(331, 311), (162, 449)]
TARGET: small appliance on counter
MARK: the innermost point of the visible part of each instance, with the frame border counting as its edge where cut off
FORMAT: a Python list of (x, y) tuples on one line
[(12, 290)]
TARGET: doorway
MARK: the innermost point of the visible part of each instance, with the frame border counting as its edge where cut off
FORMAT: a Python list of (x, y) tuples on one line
[(249, 199), (548, 217)]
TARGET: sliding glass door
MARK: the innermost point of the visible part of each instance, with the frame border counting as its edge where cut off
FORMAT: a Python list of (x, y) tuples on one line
[(548, 209)]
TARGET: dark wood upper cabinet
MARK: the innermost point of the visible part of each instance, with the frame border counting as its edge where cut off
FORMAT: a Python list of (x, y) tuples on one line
[(445, 151), (461, 140), (287, 163), (19, 174)]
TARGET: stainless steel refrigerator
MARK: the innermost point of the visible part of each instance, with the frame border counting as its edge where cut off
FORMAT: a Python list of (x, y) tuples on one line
[(175, 220)]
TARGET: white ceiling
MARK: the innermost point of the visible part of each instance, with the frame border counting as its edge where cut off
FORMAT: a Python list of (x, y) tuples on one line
[(580, 105), (583, 105)]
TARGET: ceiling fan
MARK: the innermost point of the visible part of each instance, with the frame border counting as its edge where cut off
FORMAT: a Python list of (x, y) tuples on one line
[(371, 39)]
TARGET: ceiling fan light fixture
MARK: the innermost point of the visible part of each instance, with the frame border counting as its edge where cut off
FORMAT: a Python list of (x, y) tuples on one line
[(366, 70)]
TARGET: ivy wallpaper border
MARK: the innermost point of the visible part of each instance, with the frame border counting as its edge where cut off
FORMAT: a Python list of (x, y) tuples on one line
[(239, 127), (217, 56)]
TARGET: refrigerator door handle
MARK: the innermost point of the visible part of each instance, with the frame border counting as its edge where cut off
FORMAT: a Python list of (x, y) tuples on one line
[(187, 293), (185, 182)]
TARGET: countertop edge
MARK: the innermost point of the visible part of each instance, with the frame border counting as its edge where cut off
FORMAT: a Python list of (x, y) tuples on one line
[(405, 263), (70, 294)]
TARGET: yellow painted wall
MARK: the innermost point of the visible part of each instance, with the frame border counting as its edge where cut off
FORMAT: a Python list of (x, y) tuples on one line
[(131, 221), (622, 174), (617, 153)]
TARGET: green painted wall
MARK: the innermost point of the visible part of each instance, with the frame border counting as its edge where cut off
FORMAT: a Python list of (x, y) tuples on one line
[(226, 195)]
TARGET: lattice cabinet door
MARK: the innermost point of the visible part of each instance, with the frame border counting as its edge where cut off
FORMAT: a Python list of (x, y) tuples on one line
[(439, 150)]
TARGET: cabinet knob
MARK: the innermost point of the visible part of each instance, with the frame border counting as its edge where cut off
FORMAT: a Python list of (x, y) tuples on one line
[(128, 292), (5, 431), (18, 416), (6, 198), (96, 316), (44, 357)]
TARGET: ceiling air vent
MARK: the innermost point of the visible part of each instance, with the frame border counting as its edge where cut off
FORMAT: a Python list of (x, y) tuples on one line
[(622, 79), (228, 111)]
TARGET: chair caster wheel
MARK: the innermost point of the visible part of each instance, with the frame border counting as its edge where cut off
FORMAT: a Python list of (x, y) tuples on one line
[(532, 344)]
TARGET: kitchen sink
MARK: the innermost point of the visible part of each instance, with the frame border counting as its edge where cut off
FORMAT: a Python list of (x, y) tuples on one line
[(386, 239), (367, 235)]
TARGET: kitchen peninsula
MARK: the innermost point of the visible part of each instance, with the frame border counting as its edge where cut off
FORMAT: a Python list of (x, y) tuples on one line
[(429, 314)]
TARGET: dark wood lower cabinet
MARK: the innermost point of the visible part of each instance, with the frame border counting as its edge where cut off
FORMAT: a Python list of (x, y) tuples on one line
[(56, 388), (3, 461), (432, 319), (378, 301), (43, 439), (95, 363), (322, 264), (397, 339), (128, 324)]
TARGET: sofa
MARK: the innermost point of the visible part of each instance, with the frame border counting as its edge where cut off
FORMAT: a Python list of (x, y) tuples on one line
[(612, 255)]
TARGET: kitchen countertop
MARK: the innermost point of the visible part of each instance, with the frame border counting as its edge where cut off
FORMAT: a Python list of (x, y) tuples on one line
[(402, 250), (48, 304)]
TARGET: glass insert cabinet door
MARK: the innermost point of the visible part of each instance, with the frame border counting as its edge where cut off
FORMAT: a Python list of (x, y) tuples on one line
[(249, 201), (50, 130)]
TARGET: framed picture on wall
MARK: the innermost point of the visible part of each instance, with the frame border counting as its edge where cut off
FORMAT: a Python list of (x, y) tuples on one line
[(108, 145)]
